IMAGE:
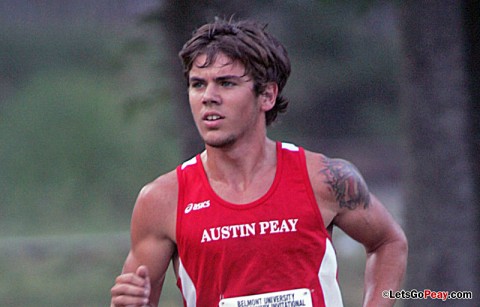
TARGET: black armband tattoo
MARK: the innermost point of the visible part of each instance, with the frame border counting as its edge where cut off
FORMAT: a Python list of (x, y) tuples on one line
[(346, 183)]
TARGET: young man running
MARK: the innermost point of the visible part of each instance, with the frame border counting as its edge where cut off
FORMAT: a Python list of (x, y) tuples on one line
[(248, 222)]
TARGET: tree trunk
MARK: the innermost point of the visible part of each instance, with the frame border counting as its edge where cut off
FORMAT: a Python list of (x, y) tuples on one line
[(178, 19), (441, 214), (472, 30)]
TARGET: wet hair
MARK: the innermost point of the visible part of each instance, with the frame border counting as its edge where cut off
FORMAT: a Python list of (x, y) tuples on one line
[(263, 56)]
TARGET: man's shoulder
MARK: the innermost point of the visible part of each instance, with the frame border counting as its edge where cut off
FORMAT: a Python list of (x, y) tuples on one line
[(162, 189), (315, 164), (315, 161), (155, 208), (154, 214), (319, 162), (338, 178)]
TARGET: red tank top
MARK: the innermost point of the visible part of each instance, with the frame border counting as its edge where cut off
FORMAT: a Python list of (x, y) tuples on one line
[(258, 254)]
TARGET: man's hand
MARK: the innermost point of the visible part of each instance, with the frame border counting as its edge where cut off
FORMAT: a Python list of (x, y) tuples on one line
[(131, 289)]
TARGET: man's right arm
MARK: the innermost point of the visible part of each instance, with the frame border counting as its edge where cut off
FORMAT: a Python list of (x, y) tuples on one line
[(152, 245)]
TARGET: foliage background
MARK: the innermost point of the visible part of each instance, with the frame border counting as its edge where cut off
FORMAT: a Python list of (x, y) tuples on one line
[(87, 118)]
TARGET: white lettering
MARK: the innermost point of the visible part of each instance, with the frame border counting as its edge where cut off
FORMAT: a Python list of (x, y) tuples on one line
[(228, 232), (215, 233), (225, 232), (247, 230), (293, 223), (274, 227), (263, 227), (197, 206), (234, 229), (205, 236)]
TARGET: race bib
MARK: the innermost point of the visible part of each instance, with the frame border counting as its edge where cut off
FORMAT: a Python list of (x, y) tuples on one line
[(289, 298)]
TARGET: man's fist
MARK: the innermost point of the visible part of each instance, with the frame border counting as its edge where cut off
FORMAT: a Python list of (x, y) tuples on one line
[(131, 289)]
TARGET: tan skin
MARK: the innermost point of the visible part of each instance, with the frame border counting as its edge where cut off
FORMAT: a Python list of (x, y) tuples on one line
[(240, 162)]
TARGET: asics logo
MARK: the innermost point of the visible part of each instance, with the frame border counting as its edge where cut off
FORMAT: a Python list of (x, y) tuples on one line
[(197, 206)]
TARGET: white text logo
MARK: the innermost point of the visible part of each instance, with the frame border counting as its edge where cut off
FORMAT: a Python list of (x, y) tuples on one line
[(197, 206)]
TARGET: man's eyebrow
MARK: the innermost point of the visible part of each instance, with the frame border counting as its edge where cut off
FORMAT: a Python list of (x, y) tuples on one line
[(195, 79), (228, 77), (217, 79)]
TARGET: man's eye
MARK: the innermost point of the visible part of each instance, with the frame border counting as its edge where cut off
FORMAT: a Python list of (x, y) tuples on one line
[(196, 84), (227, 83)]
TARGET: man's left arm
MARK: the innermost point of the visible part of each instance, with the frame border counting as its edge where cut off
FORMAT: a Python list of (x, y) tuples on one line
[(386, 247), (364, 218)]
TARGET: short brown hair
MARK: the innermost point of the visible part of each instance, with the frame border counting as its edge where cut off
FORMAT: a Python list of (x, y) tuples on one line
[(264, 57)]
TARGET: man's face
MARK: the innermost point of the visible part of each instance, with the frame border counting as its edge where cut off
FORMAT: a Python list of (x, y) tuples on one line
[(223, 103)]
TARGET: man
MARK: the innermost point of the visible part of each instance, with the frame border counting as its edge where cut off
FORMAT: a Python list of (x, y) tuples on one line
[(248, 221)]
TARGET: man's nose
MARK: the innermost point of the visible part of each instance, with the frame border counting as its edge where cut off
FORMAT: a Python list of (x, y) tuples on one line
[(211, 94)]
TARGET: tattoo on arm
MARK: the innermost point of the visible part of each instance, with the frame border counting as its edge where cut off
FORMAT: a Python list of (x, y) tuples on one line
[(346, 183)]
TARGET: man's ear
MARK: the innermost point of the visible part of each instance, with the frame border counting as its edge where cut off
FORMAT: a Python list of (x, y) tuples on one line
[(269, 96)]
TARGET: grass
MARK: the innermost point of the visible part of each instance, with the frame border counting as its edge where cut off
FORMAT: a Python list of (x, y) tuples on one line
[(74, 270)]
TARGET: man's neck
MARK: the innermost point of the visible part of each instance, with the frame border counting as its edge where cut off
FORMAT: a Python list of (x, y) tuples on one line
[(239, 165)]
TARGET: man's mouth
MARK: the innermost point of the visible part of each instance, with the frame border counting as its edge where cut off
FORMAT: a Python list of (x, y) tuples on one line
[(212, 117)]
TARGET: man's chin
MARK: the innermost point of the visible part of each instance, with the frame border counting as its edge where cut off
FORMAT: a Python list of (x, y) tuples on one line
[(220, 142)]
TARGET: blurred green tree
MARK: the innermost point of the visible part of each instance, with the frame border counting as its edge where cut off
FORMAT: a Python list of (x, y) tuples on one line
[(70, 157)]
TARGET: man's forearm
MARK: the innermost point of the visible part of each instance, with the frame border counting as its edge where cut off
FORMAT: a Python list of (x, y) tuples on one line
[(385, 270)]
